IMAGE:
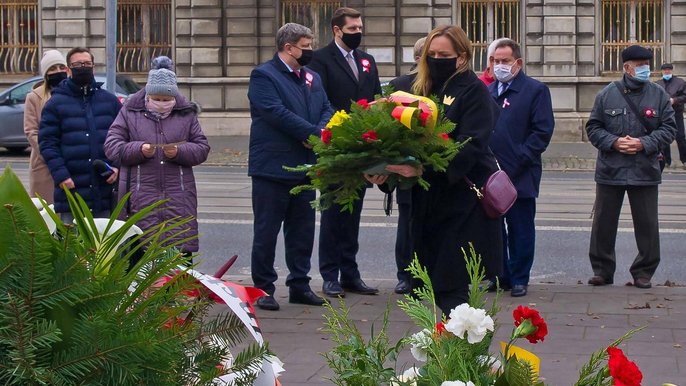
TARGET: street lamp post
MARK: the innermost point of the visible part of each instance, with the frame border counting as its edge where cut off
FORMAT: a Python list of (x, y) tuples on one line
[(111, 45)]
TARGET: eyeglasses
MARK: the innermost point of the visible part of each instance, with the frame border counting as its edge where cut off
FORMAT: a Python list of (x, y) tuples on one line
[(81, 64)]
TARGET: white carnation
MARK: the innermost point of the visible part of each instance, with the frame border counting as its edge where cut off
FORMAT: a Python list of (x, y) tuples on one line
[(409, 375), (420, 341), (457, 383), (465, 319)]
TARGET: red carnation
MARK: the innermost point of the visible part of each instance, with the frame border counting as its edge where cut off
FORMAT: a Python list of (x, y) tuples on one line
[(326, 136), (424, 117), (649, 113), (624, 372), (174, 323), (363, 103), (440, 327), (370, 136), (445, 136), (529, 324)]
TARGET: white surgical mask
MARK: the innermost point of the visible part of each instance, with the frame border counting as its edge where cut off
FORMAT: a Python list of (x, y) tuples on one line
[(503, 72)]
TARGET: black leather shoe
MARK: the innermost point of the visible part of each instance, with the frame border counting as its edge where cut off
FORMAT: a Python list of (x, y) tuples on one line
[(518, 290), (308, 297), (493, 286), (359, 287), (642, 283), (267, 303), (333, 289), (599, 281), (403, 287)]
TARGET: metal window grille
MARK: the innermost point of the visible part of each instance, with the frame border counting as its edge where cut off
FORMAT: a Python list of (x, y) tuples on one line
[(485, 21), (143, 33), (627, 22), (315, 14), (18, 36)]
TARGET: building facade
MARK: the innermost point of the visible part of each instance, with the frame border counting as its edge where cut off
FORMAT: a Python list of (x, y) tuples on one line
[(573, 46)]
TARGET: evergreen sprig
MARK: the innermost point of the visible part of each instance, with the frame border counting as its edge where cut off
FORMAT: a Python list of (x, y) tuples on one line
[(74, 313)]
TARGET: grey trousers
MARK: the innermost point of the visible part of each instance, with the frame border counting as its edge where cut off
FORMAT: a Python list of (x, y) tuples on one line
[(608, 204)]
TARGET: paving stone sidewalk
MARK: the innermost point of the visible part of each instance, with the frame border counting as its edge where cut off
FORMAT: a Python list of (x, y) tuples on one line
[(571, 156), (581, 319)]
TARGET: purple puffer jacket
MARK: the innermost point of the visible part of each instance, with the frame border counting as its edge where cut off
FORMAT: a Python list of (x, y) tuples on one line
[(157, 178)]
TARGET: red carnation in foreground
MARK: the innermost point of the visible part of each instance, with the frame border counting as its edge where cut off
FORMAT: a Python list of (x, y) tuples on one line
[(529, 324), (363, 103), (326, 136), (624, 372), (445, 136), (370, 136)]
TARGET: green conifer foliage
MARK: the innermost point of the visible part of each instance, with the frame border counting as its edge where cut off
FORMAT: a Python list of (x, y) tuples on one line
[(73, 314)]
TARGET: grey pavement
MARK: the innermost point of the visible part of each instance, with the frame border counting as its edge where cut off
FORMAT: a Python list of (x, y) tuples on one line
[(571, 156), (581, 320)]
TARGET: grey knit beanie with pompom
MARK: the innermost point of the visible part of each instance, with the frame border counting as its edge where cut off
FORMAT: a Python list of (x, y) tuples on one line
[(161, 78)]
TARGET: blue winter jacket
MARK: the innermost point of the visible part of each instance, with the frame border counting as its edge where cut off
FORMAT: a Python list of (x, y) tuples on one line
[(285, 111), (523, 131), (71, 135)]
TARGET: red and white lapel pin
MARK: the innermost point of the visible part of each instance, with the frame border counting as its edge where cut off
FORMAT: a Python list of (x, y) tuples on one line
[(649, 112), (365, 65), (308, 79), (506, 103)]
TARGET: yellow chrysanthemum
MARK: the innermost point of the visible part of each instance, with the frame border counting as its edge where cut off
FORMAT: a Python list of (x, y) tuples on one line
[(338, 119)]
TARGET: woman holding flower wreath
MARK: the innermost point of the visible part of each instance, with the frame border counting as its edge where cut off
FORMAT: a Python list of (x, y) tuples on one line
[(448, 217)]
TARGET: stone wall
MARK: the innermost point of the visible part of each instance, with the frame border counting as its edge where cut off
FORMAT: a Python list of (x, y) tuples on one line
[(219, 42)]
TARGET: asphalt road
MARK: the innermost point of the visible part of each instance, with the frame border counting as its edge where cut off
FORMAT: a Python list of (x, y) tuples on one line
[(563, 227)]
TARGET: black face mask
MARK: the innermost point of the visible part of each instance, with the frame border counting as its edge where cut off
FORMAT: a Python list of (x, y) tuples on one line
[(82, 76), (352, 40), (56, 78), (305, 57), (441, 69)]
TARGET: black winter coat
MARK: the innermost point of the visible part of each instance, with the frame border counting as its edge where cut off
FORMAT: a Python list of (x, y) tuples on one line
[(448, 217)]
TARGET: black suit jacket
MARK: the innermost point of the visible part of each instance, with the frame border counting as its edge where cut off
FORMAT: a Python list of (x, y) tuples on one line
[(338, 79)]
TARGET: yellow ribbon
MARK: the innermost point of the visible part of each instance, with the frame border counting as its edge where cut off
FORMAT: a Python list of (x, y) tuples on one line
[(404, 113)]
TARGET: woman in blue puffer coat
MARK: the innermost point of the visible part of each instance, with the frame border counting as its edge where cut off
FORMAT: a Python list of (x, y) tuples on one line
[(157, 139)]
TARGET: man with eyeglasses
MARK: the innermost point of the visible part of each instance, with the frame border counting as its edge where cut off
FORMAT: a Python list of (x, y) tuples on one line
[(287, 106), (72, 133)]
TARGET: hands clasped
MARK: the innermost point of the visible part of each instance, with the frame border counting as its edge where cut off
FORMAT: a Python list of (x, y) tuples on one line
[(406, 171), (628, 145)]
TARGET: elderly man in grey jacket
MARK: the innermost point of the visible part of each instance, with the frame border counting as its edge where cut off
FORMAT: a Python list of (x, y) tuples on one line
[(631, 120)]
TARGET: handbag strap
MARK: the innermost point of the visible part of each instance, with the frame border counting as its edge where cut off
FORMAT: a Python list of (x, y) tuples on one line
[(472, 185), (632, 106)]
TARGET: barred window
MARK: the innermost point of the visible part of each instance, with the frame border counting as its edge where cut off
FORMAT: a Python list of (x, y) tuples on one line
[(19, 36), (627, 22), (143, 33), (314, 14), (485, 21)]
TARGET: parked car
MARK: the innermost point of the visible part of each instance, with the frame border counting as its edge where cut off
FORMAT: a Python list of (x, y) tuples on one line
[(12, 103)]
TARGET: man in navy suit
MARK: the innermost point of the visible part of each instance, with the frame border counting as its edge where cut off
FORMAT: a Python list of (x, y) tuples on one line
[(287, 106), (521, 135), (348, 75)]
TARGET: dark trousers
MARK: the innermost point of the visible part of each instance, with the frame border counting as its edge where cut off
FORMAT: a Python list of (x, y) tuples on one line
[(519, 241), (680, 142), (338, 243), (608, 204), (403, 241), (272, 205)]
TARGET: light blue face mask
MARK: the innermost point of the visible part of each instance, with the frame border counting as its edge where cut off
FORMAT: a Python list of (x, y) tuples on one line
[(667, 76), (642, 73)]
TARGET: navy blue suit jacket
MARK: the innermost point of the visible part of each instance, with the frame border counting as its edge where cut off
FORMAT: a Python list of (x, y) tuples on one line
[(523, 131), (285, 110)]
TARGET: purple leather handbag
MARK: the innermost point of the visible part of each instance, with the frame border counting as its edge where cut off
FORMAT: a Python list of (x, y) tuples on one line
[(497, 195)]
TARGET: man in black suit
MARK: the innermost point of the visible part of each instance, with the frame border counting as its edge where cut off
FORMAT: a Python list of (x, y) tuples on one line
[(348, 75)]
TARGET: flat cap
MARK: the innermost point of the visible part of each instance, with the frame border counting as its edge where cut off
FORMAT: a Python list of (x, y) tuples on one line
[(667, 66), (636, 52)]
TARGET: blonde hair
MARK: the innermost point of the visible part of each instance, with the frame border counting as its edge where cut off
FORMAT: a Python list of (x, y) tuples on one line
[(461, 44)]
